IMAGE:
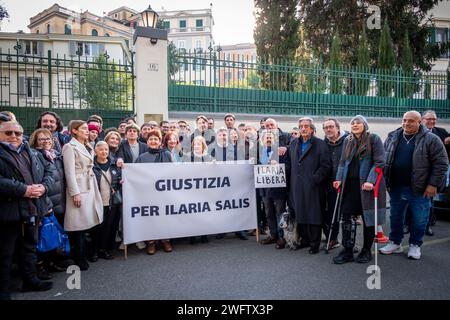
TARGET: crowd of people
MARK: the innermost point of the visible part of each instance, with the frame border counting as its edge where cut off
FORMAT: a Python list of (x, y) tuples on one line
[(76, 175)]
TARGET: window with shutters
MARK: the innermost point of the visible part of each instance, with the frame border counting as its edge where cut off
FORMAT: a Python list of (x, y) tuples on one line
[(442, 36), (199, 24), (94, 33), (88, 49), (67, 29), (31, 87), (182, 25), (31, 47), (48, 28)]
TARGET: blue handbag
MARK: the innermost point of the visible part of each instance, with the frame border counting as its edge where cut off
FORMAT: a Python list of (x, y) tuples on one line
[(52, 236)]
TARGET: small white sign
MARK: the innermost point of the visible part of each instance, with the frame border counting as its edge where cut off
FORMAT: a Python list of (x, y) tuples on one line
[(153, 67), (270, 176)]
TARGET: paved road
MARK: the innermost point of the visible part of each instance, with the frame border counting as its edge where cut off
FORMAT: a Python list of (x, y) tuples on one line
[(236, 269)]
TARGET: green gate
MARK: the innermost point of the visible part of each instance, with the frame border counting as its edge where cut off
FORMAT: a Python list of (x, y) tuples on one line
[(217, 82), (73, 87)]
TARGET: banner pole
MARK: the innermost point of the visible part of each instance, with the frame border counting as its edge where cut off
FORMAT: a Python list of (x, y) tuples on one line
[(126, 251), (257, 234)]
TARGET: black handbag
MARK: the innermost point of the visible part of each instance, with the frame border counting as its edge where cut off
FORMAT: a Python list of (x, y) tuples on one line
[(116, 195)]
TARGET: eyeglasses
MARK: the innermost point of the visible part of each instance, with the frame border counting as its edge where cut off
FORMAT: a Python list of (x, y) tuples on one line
[(329, 127), (44, 139), (431, 119), (10, 133)]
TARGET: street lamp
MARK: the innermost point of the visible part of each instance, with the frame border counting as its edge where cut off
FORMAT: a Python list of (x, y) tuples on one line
[(149, 17)]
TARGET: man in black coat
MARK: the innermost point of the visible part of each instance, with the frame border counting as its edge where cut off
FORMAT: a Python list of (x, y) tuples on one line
[(309, 166), (130, 148), (334, 139), (416, 166), (429, 119), (24, 181)]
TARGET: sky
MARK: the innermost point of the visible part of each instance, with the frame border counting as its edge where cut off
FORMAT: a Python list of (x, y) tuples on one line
[(234, 20)]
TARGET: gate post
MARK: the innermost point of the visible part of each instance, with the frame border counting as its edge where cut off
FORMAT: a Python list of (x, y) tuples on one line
[(151, 74)]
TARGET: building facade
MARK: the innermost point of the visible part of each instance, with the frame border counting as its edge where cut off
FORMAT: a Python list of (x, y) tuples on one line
[(43, 70)]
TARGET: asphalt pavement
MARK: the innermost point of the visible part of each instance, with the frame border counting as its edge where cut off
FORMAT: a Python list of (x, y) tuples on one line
[(235, 269)]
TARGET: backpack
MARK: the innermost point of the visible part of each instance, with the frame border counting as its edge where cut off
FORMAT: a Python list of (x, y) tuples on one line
[(52, 236)]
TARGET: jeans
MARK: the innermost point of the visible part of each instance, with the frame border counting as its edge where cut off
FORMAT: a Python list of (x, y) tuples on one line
[(401, 199)]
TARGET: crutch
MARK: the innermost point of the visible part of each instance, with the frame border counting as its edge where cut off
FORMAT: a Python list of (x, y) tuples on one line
[(379, 171), (332, 219)]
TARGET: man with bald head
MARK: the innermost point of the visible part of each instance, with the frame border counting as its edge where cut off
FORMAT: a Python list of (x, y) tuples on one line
[(416, 166)]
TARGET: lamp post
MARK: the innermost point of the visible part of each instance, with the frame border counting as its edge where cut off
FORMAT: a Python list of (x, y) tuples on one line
[(149, 17), (151, 69)]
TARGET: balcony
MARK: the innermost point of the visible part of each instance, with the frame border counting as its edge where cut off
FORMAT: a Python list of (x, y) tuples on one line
[(186, 30)]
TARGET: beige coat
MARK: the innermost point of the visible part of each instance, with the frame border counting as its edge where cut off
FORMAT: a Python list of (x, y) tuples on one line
[(80, 179)]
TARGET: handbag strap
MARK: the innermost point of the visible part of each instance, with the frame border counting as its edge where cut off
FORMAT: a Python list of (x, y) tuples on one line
[(109, 182)]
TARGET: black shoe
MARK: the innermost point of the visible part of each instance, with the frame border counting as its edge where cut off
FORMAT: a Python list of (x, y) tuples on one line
[(82, 264), (343, 257), (313, 250), (204, 239), (429, 231), (365, 256), (37, 286), (103, 254), (5, 296), (220, 236), (241, 235), (42, 273), (58, 266)]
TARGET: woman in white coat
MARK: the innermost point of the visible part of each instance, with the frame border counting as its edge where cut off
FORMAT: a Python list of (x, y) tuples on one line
[(84, 208)]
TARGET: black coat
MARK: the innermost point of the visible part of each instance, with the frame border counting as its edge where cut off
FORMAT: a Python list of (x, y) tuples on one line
[(57, 191), (309, 173), (155, 156), (116, 175), (335, 150), (14, 206), (124, 151), (430, 162)]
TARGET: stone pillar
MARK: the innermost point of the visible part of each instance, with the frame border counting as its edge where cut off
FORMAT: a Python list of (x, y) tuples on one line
[(151, 75)]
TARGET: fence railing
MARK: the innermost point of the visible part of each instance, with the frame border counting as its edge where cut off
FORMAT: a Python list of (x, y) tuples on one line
[(69, 85), (218, 82)]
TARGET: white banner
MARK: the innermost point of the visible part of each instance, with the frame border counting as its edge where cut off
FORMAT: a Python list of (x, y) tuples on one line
[(169, 200), (270, 176)]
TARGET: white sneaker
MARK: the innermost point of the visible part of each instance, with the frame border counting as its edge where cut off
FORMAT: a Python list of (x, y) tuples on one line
[(122, 246), (414, 252), (391, 248), (141, 245)]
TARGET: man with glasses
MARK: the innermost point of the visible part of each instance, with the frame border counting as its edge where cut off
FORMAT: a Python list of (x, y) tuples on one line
[(295, 133), (24, 181), (334, 139), (429, 119)]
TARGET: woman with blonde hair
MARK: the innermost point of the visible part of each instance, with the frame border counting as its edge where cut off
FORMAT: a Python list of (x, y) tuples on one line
[(84, 206), (113, 140)]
